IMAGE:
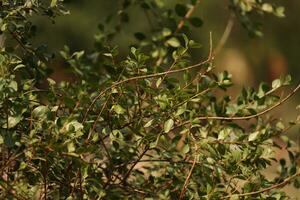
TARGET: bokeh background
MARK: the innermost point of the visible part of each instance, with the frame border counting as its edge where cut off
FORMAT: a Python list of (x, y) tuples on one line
[(250, 60)]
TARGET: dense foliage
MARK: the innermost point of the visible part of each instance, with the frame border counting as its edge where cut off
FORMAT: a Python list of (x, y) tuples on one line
[(149, 126)]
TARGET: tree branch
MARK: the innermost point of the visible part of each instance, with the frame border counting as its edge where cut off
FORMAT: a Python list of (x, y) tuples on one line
[(209, 59), (187, 180), (225, 34), (187, 16), (279, 185), (292, 93)]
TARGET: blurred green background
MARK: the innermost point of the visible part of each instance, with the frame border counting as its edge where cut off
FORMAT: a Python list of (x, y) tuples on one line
[(250, 60), (281, 41)]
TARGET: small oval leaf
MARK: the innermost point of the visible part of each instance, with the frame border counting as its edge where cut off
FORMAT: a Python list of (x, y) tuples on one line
[(168, 125)]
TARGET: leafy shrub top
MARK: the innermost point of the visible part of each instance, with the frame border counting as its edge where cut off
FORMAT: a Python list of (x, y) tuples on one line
[(150, 126)]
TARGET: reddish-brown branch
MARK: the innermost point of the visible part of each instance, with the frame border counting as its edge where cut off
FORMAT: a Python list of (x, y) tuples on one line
[(182, 193), (134, 164), (187, 16), (225, 34), (292, 93), (279, 185), (116, 84)]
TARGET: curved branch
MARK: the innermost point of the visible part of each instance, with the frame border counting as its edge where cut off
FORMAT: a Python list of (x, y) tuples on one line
[(279, 185), (292, 93), (209, 59), (225, 34), (186, 182), (187, 15)]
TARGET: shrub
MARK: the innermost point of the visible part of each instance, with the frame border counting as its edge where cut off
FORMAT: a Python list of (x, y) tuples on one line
[(150, 126)]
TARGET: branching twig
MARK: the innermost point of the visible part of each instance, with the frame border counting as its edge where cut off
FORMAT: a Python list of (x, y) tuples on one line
[(279, 185), (245, 117), (209, 59)]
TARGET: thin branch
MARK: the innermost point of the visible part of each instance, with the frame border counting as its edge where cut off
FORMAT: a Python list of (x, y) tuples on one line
[(158, 160), (187, 180), (182, 193), (18, 40), (209, 59), (279, 185), (134, 164), (187, 16), (292, 93), (225, 34), (131, 189), (192, 97)]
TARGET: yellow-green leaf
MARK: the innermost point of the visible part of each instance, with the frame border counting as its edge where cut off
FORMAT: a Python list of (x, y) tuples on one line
[(168, 125)]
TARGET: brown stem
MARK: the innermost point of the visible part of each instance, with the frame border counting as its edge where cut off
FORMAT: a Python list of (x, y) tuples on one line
[(225, 34), (208, 60), (292, 93), (182, 193), (279, 185), (134, 164), (187, 16)]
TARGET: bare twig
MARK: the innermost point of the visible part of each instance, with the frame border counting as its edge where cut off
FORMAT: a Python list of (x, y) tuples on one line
[(187, 16), (17, 38), (279, 185), (134, 164), (225, 34), (160, 161), (292, 93), (182, 193), (187, 180)]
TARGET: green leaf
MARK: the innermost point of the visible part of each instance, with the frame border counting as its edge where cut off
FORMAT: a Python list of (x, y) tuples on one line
[(149, 123), (19, 66), (158, 82), (51, 81), (263, 88), (180, 110), (166, 32), (234, 197), (53, 3), (140, 36), (173, 42), (286, 80), (155, 143), (118, 109), (78, 54), (185, 149), (267, 7), (74, 126), (180, 10), (253, 136), (71, 147), (12, 122), (276, 84), (13, 85), (168, 125), (279, 11), (40, 111), (223, 134), (196, 21)]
